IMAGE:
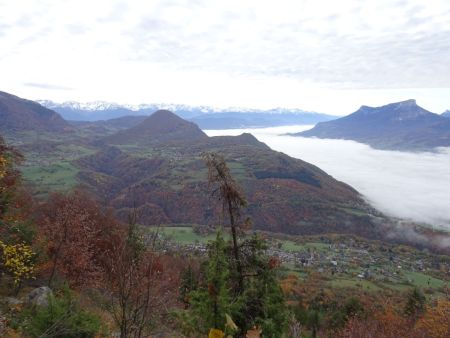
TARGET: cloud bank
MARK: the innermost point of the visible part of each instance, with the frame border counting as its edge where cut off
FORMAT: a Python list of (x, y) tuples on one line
[(413, 186)]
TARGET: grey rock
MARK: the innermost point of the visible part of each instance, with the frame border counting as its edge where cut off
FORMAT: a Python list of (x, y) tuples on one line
[(11, 301), (40, 296)]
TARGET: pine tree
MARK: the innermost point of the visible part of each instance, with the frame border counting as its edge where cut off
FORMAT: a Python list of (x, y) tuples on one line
[(415, 303), (241, 279), (262, 302), (189, 283), (211, 302)]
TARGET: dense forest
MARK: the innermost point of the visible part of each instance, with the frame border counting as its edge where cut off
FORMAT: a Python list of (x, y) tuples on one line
[(70, 268)]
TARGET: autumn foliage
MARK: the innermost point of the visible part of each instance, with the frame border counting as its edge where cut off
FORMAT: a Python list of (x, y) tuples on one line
[(436, 321), (17, 259), (75, 231), (140, 283)]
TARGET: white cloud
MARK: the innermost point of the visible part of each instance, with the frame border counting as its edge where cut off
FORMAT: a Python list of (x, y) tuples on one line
[(252, 53), (413, 186)]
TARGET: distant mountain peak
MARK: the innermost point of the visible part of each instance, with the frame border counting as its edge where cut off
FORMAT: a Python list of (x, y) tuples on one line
[(165, 115), (395, 105), (408, 106), (409, 102), (402, 110), (87, 106), (400, 125), (162, 126), (164, 121), (183, 110)]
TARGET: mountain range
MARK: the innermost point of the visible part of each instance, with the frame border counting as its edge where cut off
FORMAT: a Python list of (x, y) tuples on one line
[(203, 116), (446, 113), (156, 166), (396, 126)]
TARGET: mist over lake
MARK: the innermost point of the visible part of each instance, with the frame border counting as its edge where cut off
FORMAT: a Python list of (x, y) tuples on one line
[(408, 185)]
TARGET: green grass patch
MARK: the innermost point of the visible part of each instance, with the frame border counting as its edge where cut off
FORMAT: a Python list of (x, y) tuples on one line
[(60, 176), (186, 235), (355, 212), (422, 280), (354, 283)]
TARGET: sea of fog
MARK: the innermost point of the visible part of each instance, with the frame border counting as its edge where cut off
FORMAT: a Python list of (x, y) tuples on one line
[(413, 186)]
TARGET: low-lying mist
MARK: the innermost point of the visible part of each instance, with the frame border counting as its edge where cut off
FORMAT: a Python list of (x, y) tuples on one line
[(413, 186)]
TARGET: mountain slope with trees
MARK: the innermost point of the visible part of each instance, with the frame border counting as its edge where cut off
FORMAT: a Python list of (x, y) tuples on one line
[(399, 126), (158, 167), (19, 115)]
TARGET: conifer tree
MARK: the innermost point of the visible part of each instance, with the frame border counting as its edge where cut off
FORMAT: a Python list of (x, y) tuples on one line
[(415, 303), (211, 302)]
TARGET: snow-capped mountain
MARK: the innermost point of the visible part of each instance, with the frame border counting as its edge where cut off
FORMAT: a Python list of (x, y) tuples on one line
[(91, 106), (205, 116)]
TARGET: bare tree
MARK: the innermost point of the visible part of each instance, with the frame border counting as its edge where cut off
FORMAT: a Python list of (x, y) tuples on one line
[(138, 279), (228, 192)]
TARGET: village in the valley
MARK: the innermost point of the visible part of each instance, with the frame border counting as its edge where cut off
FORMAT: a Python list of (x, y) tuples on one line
[(357, 262)]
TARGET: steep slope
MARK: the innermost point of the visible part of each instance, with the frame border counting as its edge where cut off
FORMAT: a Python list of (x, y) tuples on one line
[(402, 125), (167, 181), (17, 115), (161, 127)]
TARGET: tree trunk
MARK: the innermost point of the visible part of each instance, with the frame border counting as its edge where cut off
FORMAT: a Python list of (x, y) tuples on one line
[(236, 249)]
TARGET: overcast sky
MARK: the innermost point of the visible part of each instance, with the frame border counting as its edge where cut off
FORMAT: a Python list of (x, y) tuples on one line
[(327, 56)]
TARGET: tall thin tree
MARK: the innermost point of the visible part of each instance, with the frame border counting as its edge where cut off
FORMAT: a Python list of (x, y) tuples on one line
[(229, 193)]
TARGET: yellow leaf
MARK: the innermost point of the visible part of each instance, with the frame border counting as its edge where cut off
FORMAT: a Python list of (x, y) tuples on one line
[(215, 333)]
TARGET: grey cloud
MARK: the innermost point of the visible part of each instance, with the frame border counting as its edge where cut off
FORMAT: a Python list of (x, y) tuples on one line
[(76, 29), (26, 20), (401, 230), (4, 29), (337, 48), (46, 86), (414, 54), (116, 13)]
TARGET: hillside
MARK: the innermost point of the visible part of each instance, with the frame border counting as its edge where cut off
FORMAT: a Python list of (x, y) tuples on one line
[(167, 181), (446, 113), (106, 127), (159, 128), (19, 115), (399, 126)]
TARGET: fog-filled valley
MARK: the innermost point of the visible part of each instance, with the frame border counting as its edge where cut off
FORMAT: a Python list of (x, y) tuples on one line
[(410, 185), (225, 169)]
